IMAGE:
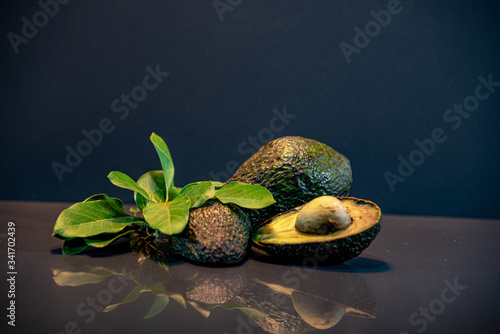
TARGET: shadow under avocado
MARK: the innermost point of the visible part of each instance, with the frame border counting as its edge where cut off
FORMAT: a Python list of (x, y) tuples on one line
[(278, 298), (359, 264), (362, 264)]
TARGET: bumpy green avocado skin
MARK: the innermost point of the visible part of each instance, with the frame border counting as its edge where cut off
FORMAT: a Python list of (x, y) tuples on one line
[(217, 235), (328, 253), (295, 170)]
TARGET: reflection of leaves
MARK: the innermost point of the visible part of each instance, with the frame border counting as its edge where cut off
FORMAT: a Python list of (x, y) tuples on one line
[(201, 310), (178, 298), (251, 312), (69, 278), (256, 289), (157, 289), (160, 303), (133, 295)]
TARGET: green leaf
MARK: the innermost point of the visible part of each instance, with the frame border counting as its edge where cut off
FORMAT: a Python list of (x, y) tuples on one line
[(153, 183), (97, 214), (78, 245), (166, 163), (217, 184), (124, 181), (169, 218), (172, 193), (73, 246), (160, 303), (114, 201), (135, 210), (251, 196), (198, 192), (102, 240)]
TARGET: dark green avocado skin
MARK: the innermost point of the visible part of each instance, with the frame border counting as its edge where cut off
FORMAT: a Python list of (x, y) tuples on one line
[(216, 235), (326, 253), (295, 170)]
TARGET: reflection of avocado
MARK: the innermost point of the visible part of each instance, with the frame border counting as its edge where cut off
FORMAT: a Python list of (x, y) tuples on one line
[(345, 288), (212, 291), (279, 298), (279, 237), (317, 312), (295, 170), (216, 234), (300, 300), (213, 287), (277, 305)]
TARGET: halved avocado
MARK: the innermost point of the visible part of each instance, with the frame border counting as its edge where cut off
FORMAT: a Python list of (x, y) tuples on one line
[(279, 238)]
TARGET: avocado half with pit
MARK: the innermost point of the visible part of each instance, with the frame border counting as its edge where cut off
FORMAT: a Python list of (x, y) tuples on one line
[(295, 238)]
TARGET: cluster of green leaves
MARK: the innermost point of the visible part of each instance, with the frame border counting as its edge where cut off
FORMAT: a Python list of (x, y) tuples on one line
[(100, 219)]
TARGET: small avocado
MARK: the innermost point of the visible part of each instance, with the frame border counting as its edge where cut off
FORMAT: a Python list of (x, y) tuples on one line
[(279, 237), (295, 170), (217, 234)]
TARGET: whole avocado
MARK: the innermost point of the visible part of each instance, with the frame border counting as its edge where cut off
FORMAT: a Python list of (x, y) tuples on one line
[(295, 170), (217, 234)]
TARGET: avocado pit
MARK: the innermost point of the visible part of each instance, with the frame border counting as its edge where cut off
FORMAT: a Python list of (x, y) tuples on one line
[(322, 215)]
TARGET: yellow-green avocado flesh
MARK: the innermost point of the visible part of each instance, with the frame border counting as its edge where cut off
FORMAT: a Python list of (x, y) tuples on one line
[(279, 238)]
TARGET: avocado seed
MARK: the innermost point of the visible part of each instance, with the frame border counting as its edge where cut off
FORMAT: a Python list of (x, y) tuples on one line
[(322, 215)]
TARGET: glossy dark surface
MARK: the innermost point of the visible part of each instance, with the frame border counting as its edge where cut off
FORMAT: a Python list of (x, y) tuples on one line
[(420, 275)]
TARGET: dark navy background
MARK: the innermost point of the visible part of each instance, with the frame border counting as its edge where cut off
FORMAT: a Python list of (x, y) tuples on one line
[(226, 77)]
